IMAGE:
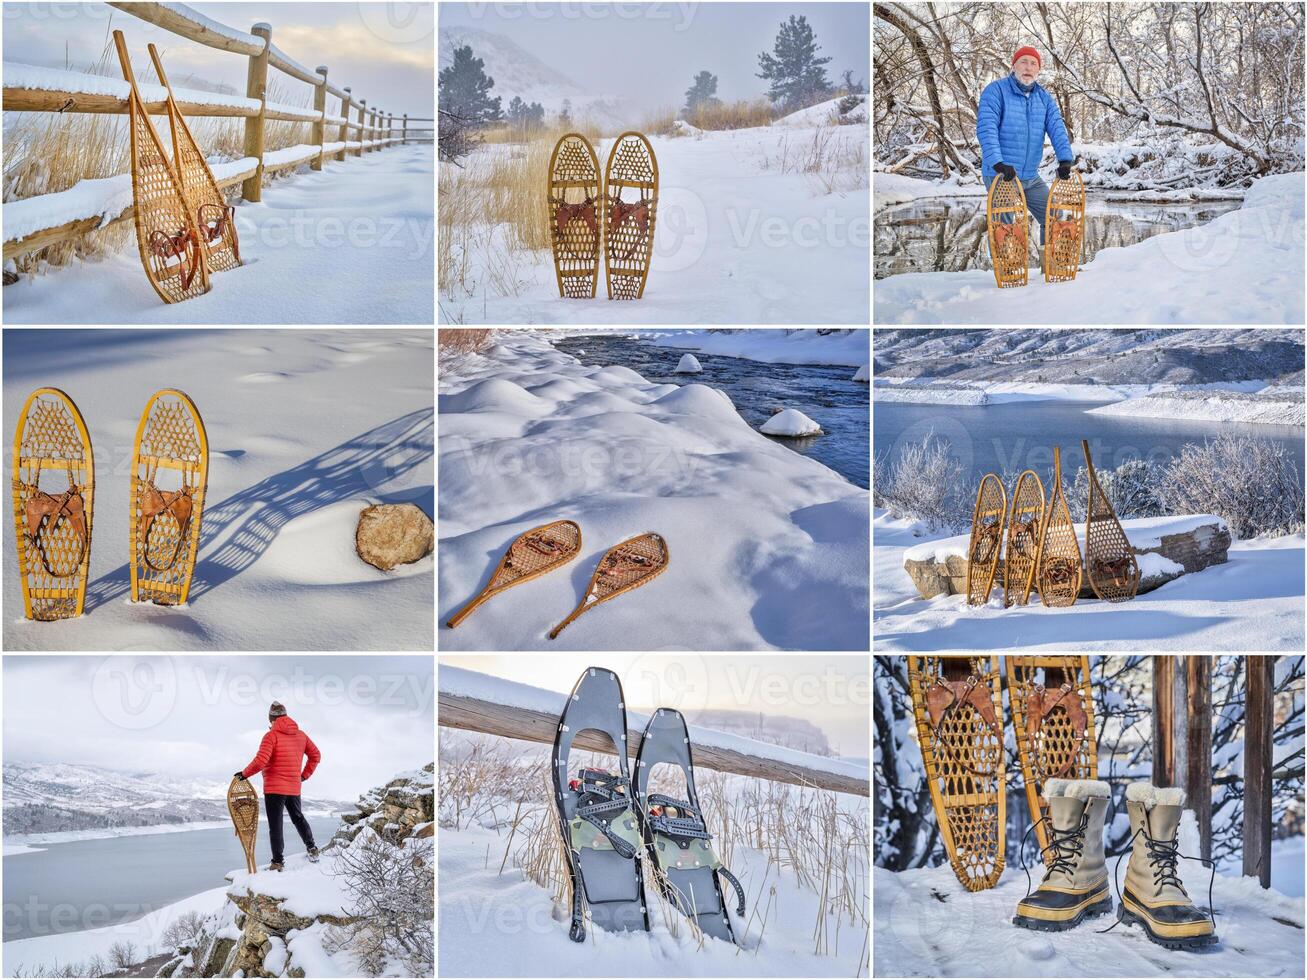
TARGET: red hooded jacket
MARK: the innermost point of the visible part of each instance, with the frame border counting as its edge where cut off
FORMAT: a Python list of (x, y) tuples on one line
[(279, 758)]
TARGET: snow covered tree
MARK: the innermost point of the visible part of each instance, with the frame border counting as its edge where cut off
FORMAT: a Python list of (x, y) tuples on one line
[(797, 75), (465, 89), (702, 93), (849, 85)]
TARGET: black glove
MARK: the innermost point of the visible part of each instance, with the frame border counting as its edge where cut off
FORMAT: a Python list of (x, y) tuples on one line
[(1064, 169), (1005, 171), (239, 775)]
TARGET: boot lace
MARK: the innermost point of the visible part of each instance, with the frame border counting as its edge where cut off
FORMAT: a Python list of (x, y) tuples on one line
[(1165, 854), (1069, 845)]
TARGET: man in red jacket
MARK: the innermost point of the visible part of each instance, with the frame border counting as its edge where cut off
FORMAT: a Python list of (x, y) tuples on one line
[(278, 759)]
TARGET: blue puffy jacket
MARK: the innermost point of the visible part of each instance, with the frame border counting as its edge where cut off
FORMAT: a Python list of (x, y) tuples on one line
[(1010, 126)]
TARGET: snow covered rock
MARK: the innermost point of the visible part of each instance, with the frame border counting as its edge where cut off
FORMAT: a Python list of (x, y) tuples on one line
[(689, 365), (393, 534), (1165, 548), (864, 374), (790, 422)]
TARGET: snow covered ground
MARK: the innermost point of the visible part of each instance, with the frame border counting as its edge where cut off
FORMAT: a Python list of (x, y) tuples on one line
[(768, 548), (350, 244), (1246, 266), (1252, 602), (771, 346), (743, 235), (305, 428), (927, 925)]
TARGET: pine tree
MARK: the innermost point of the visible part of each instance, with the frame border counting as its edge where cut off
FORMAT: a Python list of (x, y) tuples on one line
[(702, 93), (565, 113), (516, 111), (794, 70), (465, 89)]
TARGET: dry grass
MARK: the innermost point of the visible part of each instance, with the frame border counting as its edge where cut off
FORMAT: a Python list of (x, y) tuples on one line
[(834, 162), (464, 340), (744, 114), (659, 122)]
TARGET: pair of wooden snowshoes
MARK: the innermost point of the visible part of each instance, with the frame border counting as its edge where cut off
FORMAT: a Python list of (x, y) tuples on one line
[(1009, 230), (53, 529), (588, 217), (542, 549), (1042, 551), (184, 227), (958, 711)]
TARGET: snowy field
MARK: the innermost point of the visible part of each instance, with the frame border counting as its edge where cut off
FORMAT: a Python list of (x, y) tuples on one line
[(926, 925), (353, 243), (305, 429), (1246, 266), (1252, 602), (768, 548), (743, 235)]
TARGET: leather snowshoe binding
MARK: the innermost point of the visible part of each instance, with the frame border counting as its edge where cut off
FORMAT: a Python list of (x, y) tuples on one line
[(1074, 886), (1154, 895), (43, 512), (154, 503), (1040, 703)]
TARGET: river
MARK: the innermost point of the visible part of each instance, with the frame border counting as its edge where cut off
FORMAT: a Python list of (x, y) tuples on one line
[(822, 392)]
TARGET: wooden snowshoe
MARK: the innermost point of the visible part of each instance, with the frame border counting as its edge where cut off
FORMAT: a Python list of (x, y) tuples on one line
[(167, 235), (1024, 526), (1009, 232), (986, 538), (53, 528), (215, 219), (629, 224), (573, 200), (1109, 559), (1053, 712), (958, 709), (530, 555), (1058, 565), (623, 567), (1064, 228), (166, 522), (243, 805)]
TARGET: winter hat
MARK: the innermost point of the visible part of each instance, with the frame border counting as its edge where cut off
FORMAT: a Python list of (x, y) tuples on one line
[(276, 711), (1030, 51)]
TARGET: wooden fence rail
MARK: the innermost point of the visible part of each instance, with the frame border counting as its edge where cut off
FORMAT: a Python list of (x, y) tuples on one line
[(372, 130)]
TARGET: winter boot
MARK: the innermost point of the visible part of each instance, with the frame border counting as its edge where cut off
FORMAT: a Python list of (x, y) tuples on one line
[(313, 854), (1154, 895), (277, 866), (1075, 885)]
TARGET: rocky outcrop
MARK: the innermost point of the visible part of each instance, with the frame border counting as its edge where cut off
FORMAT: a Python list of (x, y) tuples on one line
[(394, 811)]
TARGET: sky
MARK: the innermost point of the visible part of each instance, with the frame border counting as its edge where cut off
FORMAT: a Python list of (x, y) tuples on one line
[(383, 51), (831, 692), (650, 53), (201, 718)]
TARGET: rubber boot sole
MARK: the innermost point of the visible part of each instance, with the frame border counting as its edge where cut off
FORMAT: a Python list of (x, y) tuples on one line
[(1101, 907), (1189, 942)]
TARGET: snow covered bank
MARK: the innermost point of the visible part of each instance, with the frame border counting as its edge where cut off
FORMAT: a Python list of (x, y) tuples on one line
[(1252, 602), (851, 346), (927, 925), (929, 394), (768, 548), (892, 189), (843, 111), (1217, 407), (1243, 267)]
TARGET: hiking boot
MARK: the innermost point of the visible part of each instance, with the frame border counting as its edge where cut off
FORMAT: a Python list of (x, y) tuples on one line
[(313, 854), (277, 866), (1154, 896), (1075, 885)]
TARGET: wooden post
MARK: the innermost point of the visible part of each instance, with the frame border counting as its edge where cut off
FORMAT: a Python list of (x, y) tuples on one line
[(344, 127), (404, 132), (363, 105), (320, 106), (372, 126), (1163, 719), (1258, 756), (1198, 751), (256, 87)]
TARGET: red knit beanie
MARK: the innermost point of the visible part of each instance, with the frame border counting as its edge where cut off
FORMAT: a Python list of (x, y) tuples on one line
[(1030, 51)]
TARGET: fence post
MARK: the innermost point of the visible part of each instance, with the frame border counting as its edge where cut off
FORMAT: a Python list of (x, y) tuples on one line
[(1259, 750), (256, 87), (320, 107), (372, 127), (404, 138), (344, 126), (363, 105)]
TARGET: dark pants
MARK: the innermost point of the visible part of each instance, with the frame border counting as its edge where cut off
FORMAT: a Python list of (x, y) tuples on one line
[(274, 802)]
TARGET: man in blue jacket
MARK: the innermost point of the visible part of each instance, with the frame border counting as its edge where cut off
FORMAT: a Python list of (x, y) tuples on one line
[(1014, 114)]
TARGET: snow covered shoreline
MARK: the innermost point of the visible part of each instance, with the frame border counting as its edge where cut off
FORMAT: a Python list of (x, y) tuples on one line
[(1243, 267), (768, 548), (773, 346)]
